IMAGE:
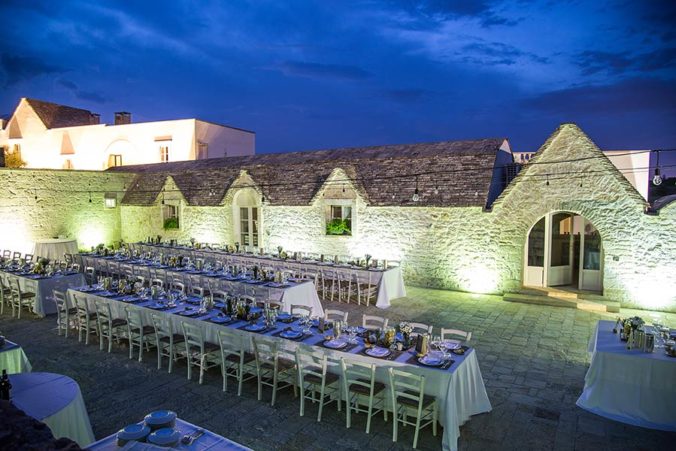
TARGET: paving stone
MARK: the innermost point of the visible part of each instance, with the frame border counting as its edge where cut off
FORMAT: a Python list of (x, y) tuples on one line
[(533, 360)]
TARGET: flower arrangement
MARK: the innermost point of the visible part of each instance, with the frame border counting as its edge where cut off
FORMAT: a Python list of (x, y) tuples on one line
[(279, 250), (367, 257), (405, 328)]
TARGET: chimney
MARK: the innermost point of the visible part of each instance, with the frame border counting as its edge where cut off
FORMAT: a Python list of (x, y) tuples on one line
[(94, 118), (122, 117)]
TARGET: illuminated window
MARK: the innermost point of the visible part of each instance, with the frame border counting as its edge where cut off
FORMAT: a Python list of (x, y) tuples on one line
[(339, 220), (110, 202), (170, 215), (114, 160), (68, 164), (164, 154)]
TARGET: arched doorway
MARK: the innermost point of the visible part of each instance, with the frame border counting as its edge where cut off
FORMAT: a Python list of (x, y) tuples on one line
[(564, 249), (246, 213)]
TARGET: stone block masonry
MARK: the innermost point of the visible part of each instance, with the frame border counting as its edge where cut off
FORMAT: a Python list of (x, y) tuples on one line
[(41, 204)]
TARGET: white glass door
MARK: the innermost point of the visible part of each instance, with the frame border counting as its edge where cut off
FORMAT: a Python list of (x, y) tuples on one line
[(591, 259), (561, 250), (535, 255)]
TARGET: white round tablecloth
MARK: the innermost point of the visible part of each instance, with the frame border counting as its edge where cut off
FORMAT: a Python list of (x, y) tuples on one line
[(54, 249), (13, 359), (55, 400)]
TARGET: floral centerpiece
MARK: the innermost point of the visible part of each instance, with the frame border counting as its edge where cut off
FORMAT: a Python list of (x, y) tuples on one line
[(237, 247), (279, 250), (406, 329), (367, 257)]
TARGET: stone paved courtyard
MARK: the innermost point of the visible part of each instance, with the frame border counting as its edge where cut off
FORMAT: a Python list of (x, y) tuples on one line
[(533, 360)]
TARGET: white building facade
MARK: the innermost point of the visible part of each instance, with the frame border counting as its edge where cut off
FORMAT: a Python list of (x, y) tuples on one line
[(53, 136)]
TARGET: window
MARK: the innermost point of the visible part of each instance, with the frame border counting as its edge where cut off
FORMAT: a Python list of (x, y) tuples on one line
[(170, 216), (114, 160), (247, 217), (164, 154), (110, 202), (339, 221), (68, 164), (202, 150), (248, 226)]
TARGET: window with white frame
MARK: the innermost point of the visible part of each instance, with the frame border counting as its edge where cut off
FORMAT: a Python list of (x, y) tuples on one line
[(247, 217), (164, 153), (171, 211), (339, 217)]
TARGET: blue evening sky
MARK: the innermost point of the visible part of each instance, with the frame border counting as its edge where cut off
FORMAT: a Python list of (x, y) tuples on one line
[(320, 74)]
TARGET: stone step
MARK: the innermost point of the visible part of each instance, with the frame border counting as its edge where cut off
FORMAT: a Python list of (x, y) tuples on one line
[(590, 303)]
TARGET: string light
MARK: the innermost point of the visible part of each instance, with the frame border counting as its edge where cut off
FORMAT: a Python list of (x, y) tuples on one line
[(90, 197), (547, 179), (657, 179), (416, 193)]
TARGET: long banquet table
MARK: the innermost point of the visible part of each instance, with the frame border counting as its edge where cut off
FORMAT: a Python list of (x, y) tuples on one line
[(390, 282), (292, 293), (459, 389), (207, 441), (56, 401), (630, 386), (43, 286), (13, 359)]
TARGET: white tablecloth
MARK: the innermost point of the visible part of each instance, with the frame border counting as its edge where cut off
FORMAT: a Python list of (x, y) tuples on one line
[(459, 390), (55, 248), (304, 293), (390, 283), (43, 287), (391, 286), (56, 401), (629, 386), (13, 359), (208, 441)]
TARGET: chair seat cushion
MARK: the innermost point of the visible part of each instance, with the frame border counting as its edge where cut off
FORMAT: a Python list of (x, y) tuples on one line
[(248, 357), (119, 322), (147, 330), (377, 388), (427, 400), (178, 338), (27, 295), (211, 347), (330, 379)]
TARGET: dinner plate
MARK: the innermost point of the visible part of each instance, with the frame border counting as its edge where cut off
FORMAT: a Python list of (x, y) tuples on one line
[(156, 306), (430, 360), (130, 299), (255, 327), (335, 344), (291, 334), (188, 312), (164, 437), (451, 344), (137, 431), (284, 316), (377, 352), (218, 319), (162, 418)]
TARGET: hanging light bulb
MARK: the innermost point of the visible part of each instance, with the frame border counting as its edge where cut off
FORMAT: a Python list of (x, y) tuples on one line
[(416, 193), (657, 178), (436, 190), (90, 197), (547, 183), (36, 194), (343, 188)]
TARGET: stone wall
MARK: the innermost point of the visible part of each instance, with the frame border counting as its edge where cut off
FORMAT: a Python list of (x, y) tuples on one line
[(639, 249), (40, 204)]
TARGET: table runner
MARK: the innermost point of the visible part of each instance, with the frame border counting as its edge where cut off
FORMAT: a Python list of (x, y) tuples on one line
[(303, 293), (208, 441), (43, 286), (630, 386), (390, 282), (13, 359), (460, 389), (55, 400)]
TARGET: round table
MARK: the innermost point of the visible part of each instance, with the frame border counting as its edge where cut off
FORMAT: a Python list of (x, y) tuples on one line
[(54, 249), (55, 400), (13, 359)]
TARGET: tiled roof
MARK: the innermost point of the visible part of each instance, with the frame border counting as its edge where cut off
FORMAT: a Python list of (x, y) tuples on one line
[(451, 173), (54, 115)]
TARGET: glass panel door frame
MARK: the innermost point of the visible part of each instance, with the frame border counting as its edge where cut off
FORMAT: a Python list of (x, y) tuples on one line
[(548, 275)]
